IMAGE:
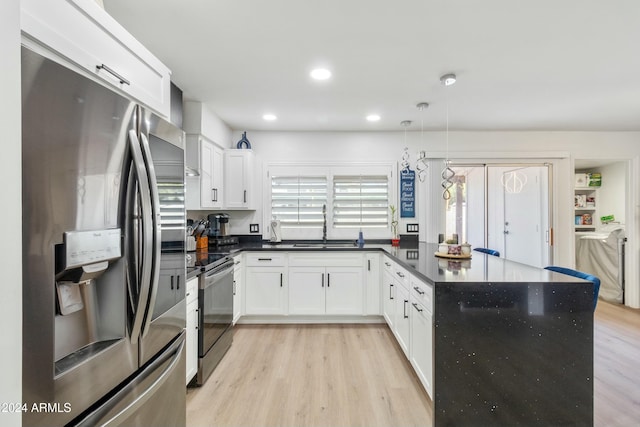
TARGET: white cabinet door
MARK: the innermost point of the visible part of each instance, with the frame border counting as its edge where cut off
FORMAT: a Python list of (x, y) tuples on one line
[(84, 37), (264, 289), (402, 322), (388, 298), (238, 179), (191, 345), (217, 177), (422, 345), (307, 290), (372, 283), (207, 192), (238, 285), (344, 290), (192, 340), (211, 173)]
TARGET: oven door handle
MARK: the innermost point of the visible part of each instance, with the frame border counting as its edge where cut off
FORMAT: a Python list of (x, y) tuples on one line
[(212, 278)]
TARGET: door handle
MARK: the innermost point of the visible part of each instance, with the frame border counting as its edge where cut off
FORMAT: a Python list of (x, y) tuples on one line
[(113, 73), (506, 231), (171, 282), (323, 280), (177, 282), (245, 196), (404, 309), (146, 261), (328, 279), (280, 279), (416, 307), (368, 265), (155, 203), (390, 290)]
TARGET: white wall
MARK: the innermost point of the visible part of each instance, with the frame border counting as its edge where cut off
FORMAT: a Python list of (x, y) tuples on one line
[(559, 148), (199, 119), (10, 214), (612, 193)]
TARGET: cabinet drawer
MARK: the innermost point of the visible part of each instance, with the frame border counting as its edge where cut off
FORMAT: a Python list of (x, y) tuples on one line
[(401, 275), (191, 294), (387, 264), (266, 259), (322, 259), (422, 293)]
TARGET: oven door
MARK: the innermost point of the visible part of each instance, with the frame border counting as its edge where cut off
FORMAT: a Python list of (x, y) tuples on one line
[(216, 305)]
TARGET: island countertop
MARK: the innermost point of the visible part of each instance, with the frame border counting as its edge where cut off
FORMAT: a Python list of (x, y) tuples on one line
[(422, 262), (512, 343)]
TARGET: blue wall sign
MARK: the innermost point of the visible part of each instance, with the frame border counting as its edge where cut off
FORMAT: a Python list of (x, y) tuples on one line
[(407, 193)]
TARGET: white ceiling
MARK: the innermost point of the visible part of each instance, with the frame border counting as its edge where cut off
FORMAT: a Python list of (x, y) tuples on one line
[(521, 65)]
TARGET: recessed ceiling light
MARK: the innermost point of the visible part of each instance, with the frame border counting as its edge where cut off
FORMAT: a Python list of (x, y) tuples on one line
[(448, 79), (373, 117), (269, 117), (320, 74)]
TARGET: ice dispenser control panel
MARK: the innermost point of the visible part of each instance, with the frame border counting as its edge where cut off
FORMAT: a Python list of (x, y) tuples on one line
[(90, 247)]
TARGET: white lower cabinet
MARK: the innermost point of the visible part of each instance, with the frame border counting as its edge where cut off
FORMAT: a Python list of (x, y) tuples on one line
[(191, 345), (421, 316), (238, 285), (344, 290), (325, 290), (307, 290), (422, 345), (326, 284), (388, 298), (372, 284), (402, 328), (265, 283), (264, 290)]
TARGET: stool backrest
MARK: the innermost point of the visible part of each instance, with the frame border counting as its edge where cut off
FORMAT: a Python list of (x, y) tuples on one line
[(487, 251), (582, 275)]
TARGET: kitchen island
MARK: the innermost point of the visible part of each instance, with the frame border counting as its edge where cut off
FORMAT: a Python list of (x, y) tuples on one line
[(512, 344)]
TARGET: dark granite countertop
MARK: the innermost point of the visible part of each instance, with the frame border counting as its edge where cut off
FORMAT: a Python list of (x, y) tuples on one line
[(421, 261)]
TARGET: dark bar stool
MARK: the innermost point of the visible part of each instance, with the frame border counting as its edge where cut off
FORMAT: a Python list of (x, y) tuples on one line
[(586, 276), (487, 251)]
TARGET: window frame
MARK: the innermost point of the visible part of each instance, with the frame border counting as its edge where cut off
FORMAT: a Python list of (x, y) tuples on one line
[(329, 170)]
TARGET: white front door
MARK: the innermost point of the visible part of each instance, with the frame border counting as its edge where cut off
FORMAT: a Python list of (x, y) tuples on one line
[(525, 219)]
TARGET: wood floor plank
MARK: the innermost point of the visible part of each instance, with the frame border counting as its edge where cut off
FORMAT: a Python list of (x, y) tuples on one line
[(311, 375), (357, 375)]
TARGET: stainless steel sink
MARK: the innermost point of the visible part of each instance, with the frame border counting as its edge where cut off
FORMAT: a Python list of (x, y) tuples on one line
[(325, 245)]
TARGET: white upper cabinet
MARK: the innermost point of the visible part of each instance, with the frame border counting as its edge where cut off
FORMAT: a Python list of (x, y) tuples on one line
[(206, 190), (238, 179), (84, 37)]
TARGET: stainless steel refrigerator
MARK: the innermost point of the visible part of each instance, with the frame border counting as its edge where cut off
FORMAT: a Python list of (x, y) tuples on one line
[(103, 255)]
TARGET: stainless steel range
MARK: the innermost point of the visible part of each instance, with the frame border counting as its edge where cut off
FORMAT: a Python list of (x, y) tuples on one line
[(215, 305)]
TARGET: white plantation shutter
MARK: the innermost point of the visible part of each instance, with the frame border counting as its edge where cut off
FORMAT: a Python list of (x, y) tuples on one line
[(360, 201), (297, 200)]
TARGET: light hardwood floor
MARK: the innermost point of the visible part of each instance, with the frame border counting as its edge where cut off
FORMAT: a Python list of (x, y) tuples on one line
[(356, 375)]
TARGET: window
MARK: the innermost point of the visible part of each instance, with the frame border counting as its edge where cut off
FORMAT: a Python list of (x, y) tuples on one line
[(297, 200), (360, 201)]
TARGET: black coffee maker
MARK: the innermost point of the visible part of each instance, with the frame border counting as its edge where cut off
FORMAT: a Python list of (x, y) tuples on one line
[(219, 232), (218, 225)]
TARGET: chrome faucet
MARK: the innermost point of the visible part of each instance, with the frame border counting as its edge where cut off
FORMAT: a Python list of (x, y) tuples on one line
[(324, 223)]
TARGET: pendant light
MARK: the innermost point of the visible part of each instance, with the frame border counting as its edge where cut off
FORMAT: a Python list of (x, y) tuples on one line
[(405, 154), (447, 173), (421, 163)]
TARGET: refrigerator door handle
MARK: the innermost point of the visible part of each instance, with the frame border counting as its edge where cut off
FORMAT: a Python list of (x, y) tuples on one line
[(147, 236), (97, 417), (155, 206)]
